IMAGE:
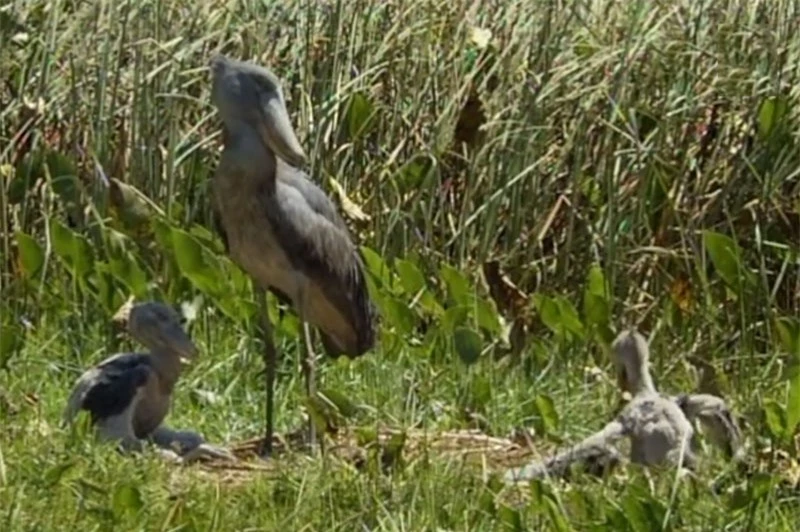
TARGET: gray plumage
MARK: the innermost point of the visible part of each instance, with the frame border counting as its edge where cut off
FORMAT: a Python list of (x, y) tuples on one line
[(716, 421), (278, 225), (659, 427), (128, 395)]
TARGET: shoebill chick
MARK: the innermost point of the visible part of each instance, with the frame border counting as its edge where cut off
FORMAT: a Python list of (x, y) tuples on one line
[(660, 428), (128, 395), (632, 362)]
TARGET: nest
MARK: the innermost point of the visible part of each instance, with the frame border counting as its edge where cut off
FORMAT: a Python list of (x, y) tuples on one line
[(386, 446)]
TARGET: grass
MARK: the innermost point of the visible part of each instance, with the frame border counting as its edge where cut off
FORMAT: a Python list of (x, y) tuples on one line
[(619, 163)]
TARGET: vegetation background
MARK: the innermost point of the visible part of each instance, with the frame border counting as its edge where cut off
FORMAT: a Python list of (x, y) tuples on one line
[(527, 178)]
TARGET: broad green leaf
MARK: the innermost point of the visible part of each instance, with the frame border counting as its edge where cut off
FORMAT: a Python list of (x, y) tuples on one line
[(343, 404), (596, 281), (127, 499), (725, 256), (377, 267), (487, 315), (761, 485), (11, 340), (239, 309), (413, 174), (60, 166), (595, 309), (510, 518), (793, 404), (429, 304), (789, 333), (539, 493), (411, 278), (549, 312), (584, 49), (558, 315), (595, 297), (557, 520), (635, 513), (106, 293), (772, 114), (83, 256), (569, 316), (458, 287), (73, 249), (360, 115), (18, 187), (546, 409), (188, 252), (320, 412), (163, 232), (367, 436), (127, 271), (31, 254), (193, 262), (453, 317), (67, 185), (129, 205), (54, 474), (468, 345), (480, 391), (740, 498), (486, 502), (392, 455), (775, 419), (398, 314)]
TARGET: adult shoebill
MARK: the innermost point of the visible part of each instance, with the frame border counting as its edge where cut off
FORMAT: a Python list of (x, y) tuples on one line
[(128, 395), (280, 227)]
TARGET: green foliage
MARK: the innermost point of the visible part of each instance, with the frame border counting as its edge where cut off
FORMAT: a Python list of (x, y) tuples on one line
[(727, 260), (31, 254), (72, 248), (559, 315), (613, 160), (468, 345), (360, 115)]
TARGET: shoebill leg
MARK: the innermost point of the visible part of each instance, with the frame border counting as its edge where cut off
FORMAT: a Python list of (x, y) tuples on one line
[(308, 365), (270, 361)]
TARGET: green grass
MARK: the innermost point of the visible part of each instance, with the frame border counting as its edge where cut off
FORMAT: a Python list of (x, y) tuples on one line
[(636, 165)]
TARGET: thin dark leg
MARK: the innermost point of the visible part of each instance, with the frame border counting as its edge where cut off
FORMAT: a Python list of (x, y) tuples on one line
[(311, 386), (270, 360)]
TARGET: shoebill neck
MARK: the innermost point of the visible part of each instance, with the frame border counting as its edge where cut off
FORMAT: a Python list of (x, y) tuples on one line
[(637, 376), (256, 164), (168, 365)]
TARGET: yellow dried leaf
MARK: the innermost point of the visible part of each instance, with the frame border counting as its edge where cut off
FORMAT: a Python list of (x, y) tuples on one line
[(348, 206), (681, 293), (480, 37), (124, 312)]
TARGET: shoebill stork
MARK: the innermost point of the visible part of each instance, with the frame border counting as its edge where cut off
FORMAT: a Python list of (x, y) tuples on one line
[(659, 427), (280, 228), (128, 395)]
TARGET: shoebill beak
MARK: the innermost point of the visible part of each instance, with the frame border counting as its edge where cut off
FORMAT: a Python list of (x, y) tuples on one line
[(176, 339), (276, 132)]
